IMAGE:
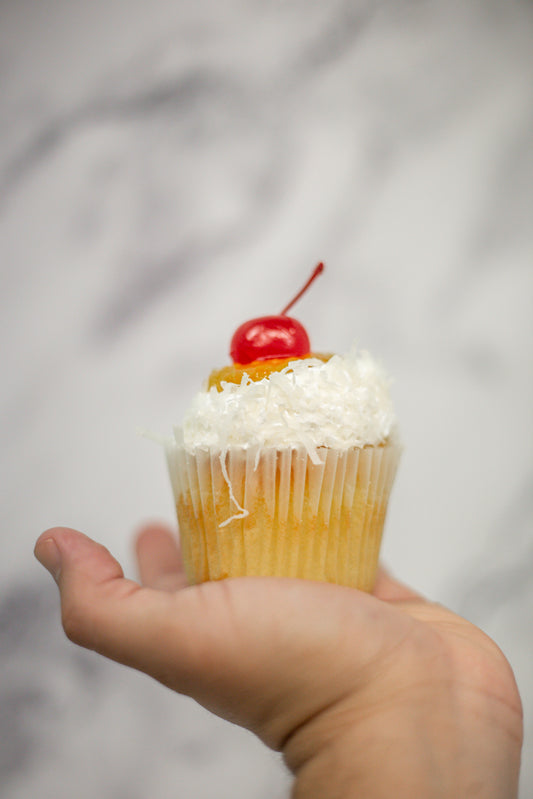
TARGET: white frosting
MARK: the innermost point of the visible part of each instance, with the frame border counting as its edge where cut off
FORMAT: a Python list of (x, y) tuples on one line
[(342, 403)]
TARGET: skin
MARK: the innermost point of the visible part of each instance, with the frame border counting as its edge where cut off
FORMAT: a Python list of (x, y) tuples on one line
[(365, 695)]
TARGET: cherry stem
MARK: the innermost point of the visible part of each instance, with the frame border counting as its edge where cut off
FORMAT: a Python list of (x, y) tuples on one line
[(319, 268)]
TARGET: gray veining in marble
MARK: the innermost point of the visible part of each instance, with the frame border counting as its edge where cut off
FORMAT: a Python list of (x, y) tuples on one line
[(170, 169)]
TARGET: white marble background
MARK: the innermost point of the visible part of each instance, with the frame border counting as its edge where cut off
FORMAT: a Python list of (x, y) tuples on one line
[(169, 169)]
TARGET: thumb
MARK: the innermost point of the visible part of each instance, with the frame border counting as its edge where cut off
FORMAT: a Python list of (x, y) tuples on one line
[(157, 632)]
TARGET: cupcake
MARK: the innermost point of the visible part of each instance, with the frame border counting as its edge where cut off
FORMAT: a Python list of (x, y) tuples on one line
[(285, 461)]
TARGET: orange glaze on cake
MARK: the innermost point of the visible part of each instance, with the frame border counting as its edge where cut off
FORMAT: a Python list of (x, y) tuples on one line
[(256, 370)]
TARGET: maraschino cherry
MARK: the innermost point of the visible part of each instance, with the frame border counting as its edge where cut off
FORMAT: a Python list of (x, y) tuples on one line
[(270, 337)]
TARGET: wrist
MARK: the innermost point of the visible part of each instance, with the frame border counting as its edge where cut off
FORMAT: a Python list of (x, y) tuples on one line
[(440, 743)]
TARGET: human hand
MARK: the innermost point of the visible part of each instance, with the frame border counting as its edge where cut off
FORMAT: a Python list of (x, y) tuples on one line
[(369, 695)]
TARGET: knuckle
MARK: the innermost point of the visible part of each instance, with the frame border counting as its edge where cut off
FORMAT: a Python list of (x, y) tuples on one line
[(75, 622)]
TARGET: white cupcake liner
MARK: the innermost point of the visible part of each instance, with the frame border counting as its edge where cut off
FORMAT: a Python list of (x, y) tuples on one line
[(270, 511)]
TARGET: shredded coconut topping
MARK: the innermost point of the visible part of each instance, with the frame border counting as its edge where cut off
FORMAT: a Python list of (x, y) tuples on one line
[(344, 402)]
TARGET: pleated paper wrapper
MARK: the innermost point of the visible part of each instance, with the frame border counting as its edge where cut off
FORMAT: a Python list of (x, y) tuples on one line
[(275, 512)]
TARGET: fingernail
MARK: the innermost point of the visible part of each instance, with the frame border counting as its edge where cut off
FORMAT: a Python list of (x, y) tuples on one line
[(48, 554)]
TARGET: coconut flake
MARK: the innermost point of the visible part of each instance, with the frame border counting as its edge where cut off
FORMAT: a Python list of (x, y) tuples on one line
[(342, 403)]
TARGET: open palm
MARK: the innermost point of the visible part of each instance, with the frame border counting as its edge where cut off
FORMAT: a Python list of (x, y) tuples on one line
[(323, 673)]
